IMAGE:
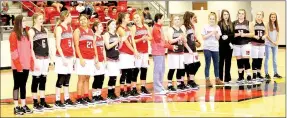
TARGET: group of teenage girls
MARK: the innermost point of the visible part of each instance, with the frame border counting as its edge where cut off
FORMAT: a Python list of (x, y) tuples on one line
[(123, 50)]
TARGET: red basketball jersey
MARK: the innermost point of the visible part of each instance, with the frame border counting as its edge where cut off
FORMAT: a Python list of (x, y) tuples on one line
[(124, 47), (100, 48), (66, 41), (86, 43), (142, 46)]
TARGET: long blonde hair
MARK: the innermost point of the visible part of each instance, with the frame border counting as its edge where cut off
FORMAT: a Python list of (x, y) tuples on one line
[(63, 15), (35, 16)]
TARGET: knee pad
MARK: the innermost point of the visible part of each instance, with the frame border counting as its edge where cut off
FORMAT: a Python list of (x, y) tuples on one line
[(254, 64), (179, 73), (42, 84), (246, 64), (132, 75), (136, 72), (67, 80), (101, 81), (35, 84), (170, 74), (143, 73), (94, 85), (240, 63), (60, 81), (197, 65)]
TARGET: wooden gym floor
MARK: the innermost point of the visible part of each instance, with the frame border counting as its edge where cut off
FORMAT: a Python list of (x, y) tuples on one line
[(267, 99)]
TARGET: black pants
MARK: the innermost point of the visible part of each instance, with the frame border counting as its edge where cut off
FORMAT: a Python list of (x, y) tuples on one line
[(20, 80), (225, 56)]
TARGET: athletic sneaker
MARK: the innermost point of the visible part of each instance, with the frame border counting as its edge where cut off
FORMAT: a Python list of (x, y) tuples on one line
[(26, 109), (59, 105), (37, 107), (277, 76), (89, 101), (260, 77), (69, 103), (171, 89), (191, 84), (240, 80), (18, 111), (134, 92), (144, 91), (181, 87), (123, 94), (46, 106), (112, 96), (82, 102), (249, 80), (267, 76)]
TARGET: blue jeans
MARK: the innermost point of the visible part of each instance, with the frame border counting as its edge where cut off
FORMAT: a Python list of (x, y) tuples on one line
[(158, 73), (274, 57), (215, 57)]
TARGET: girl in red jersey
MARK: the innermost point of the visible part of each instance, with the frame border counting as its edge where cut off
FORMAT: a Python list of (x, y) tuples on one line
[(142, 35), (127, 52), (64, 58), (85, 53), (100, 60), (22, 62)]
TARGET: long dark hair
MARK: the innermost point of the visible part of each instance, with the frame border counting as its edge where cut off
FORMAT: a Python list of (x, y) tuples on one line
[(18, 28), (223, 24), (271, 28), (186, 19), (121, 16)]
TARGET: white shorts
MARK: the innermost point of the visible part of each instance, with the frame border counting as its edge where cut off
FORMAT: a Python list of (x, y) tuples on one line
[(175, 61), (195, 57), (88, 69), (257, 51), (188, 58), (143, 61), (43, 67), (61, 69), (242, 50), (113, 68), (127, 61), (101, 70)]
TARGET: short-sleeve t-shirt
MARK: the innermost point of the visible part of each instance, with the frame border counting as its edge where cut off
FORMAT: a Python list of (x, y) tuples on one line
[(211, 43)]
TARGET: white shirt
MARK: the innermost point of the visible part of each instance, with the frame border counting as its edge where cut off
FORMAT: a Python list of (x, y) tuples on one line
[(80, 8), (211, 43)]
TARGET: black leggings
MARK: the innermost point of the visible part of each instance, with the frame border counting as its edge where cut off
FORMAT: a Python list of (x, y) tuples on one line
[(38, 81), (126, 77), (142, 75), (63, 79), (179, 74), (191, 69), (98, 81), (20, 80)]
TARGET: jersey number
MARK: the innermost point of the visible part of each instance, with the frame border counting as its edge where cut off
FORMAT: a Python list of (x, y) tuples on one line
[(44, 43), (259, 33), (69, 43), (89, 44)]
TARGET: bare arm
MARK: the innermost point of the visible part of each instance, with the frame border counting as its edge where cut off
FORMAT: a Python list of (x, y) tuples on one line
[(95, 48), (76, 37), (185, 40), (122, 35), (58, 41), (133, 31), (31, 36), (251, 30), (148, 32), (218, 34)]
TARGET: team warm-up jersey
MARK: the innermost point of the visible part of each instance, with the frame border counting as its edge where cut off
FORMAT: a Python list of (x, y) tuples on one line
[(124, 47), (100, 46), (190, 40), (259, 30), (142, 46), (40, 42), (86, 43), (241, 27), (113, 53), (179, 44), (66, 41)]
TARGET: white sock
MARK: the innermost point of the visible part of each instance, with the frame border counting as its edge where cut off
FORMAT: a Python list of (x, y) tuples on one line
[(23, 102), (42, 94), (16, 103), (178, 82), (35, 96), (99, 92), (58, 94), (191, 77), (169, 83), (94, 93), (66, 93), (109, 87)]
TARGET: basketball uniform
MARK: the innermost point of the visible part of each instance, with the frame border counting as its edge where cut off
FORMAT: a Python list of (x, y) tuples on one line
[(190, 58), (41, 50), (176, 57), (127, 59), (113, 57), (142, 48), (68, 52), (258, 46), (241, 44), (100, 50), (87, 51)]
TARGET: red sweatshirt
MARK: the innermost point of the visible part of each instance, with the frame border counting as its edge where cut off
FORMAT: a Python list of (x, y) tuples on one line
[(158, 43), (21, 53)]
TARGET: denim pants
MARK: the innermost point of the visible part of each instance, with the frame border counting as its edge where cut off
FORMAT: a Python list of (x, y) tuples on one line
[(215, 57), (158, 73), (274, 58)]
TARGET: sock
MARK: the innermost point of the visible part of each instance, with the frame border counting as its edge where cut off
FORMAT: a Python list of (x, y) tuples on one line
[(42, 100), (66, 93), (191, 77), (99, 92), (178, 82), (169, 83), (23, 102), (110, 90), (58, 98), (122, 89), (16, 103), (94, 93), (86, 95), (142, 85), (79, 96), (128, 88)]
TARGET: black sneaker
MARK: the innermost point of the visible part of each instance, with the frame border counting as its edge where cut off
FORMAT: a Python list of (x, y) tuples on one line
[(277, 76), (18, 111), (134, 92), (102, 100), (240, 80), (69, 103), (171, 89), (96, 99), (37, 107), (249, 80), (111, 96), (181, 87), (144, 91), (192, 84), (254, 77), (123, 94), (82, 102), (26, 109), (46, 106), (267, 76), (89, 101), (59, 105)]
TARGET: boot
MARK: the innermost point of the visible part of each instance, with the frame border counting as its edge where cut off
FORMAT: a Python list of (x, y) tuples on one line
[(208, 83), (219, 82)]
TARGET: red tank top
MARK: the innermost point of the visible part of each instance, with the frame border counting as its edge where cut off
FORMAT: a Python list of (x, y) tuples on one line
[(100, 48), (86, 43), (142, 46), (124, 47), (66, 41)]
